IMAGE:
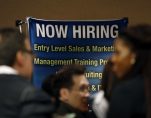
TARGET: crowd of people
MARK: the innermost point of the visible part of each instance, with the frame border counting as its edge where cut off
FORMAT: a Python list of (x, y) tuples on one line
[(126, 82)]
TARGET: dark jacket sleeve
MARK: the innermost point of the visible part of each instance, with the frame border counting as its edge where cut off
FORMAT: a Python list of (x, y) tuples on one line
[(35, 104), (121, 103), (128, 100)]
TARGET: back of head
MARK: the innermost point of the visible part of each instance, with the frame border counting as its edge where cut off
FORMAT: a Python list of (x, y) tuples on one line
[(11, 41)]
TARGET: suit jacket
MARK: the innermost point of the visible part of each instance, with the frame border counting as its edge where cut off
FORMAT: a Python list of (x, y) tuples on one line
[(19, 99), (128, 99)]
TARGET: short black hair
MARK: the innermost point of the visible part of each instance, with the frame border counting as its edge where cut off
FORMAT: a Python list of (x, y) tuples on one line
[(48, 84), (65, 76), (11, 41)]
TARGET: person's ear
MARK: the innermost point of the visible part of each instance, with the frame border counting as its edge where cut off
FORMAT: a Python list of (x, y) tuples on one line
[(64, 94), (20, 58), (133, 59)]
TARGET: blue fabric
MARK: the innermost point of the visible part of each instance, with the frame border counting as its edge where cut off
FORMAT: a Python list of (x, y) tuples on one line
[(83, 42)]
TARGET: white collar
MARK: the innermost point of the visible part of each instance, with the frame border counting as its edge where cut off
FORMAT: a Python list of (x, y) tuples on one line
[(7, 70)]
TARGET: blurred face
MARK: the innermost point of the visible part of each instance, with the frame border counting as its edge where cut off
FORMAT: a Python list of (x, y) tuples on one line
[(79, 93), (122, 59), (28, 60)]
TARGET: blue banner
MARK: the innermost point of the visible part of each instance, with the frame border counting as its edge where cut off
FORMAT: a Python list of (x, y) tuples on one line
[(57, 43)]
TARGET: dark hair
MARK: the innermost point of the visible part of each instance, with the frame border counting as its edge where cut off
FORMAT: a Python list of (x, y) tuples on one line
[(48, 84), (139, 37), (65, 76), (11, 41), (109, 80)]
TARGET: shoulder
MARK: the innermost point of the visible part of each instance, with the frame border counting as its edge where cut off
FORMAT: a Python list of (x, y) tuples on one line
[(129, 92), (14, 79), (131, 85), (14, 83), (22, 87), (127, 98)]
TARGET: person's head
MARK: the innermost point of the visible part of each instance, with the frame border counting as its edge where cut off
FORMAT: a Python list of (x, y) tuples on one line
[(72, 87), (15, 51), (132, 50)]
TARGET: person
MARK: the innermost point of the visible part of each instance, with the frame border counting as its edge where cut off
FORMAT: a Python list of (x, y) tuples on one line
[(131, 64), (18, 98), (71, 86)]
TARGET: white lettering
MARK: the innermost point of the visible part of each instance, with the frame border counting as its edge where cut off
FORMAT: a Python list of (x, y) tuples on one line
[(40, 30)]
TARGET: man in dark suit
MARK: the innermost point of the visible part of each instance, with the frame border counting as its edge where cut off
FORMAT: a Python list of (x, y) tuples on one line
[(18, 98)]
